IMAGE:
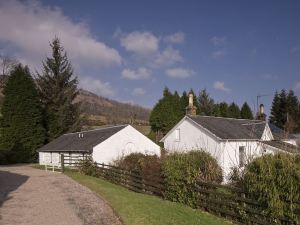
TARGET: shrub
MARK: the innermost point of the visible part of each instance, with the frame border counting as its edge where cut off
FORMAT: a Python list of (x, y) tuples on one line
[(147, 166), (131, 162), (274, 180), (182, 170), (88, 167), (236, 177)]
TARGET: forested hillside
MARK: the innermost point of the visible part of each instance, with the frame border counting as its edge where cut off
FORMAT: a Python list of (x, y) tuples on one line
[(100, 111)]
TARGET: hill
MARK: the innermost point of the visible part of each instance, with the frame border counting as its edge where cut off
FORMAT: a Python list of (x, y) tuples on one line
[(100, 110)]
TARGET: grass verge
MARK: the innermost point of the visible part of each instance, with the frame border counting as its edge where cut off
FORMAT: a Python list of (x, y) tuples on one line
[(142, 209)]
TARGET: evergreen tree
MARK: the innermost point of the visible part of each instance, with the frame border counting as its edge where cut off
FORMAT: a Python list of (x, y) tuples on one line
[(275, 110), (216, 110), (58, 89), (166, 113), (246, 112), (234, 111), (292, 112), (206, 104), (22, 130), (195, 101), (279, 109), (223, 109), (184, 101)]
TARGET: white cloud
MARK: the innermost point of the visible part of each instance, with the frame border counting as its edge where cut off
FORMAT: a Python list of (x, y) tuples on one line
[(138, 91), (295, 49), (139, 74), (29, 26), (218, 54), (96, 86), (218, 41), (219, 85), (168, 57), (143, 43), (297, 86), (176, 38), (179, 73)]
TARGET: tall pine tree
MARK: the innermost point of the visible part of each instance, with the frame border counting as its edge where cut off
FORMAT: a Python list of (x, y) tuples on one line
[(22, 130), (279, 109), (58, 89), (223, 109), (234, 111), (206, 103), (246, 112)]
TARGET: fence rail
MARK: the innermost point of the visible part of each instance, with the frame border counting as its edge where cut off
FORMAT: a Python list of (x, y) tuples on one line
[(222, 200)]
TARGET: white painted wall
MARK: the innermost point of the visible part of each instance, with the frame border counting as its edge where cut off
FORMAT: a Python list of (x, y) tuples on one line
[(193, 137), (126, 141), (47, 158)]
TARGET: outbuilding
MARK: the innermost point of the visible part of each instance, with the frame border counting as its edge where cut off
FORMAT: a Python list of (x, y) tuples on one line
[(104, 145)]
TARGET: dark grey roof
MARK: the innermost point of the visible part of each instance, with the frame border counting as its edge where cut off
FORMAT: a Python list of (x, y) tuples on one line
[(72, 142), (229, 128), (283, 146), (279, 134)]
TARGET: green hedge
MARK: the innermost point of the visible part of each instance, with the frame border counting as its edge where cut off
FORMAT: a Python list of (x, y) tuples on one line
[(182, 170), (274, 180)]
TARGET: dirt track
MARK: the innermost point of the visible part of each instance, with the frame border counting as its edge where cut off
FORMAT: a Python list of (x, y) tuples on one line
[(35, 197)]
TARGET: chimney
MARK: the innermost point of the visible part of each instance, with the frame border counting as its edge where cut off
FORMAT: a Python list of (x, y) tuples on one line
[(261, 114), (191, 109), (261, 109)]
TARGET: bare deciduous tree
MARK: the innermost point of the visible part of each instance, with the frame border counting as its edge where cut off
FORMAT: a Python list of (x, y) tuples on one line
[(7, 63)]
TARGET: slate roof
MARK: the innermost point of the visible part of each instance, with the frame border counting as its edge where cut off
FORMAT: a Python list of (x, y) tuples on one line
[(279, 134), (71, 142), (283, 146), (233, 129)]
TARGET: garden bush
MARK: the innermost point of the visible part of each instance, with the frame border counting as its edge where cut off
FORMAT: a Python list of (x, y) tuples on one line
[(183, 170), (274, 180), (88, 167), (147, 166)]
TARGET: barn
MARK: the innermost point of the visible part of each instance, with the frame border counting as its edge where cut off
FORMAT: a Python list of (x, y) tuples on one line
[(104, 145)]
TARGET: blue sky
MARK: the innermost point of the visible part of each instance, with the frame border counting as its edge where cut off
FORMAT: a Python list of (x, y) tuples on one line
[(131, 50)]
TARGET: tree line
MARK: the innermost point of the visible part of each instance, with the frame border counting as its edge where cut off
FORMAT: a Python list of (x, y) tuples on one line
[(36, 111), (285, 111), (171, 108)]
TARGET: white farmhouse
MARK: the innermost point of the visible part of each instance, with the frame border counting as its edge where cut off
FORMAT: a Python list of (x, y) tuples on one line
[(233, 142), (104, 145)]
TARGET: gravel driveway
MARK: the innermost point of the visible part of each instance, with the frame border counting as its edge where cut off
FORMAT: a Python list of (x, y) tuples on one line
[(35, 197)]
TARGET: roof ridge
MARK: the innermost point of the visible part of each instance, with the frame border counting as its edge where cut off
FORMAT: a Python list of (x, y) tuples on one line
[(246, 124), (220, 117), (101, 128)]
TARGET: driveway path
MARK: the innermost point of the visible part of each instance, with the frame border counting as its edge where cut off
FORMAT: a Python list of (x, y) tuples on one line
[(35, 197)]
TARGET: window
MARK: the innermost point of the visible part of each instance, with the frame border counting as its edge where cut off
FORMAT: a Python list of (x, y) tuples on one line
[(177, 135), (242, 156)]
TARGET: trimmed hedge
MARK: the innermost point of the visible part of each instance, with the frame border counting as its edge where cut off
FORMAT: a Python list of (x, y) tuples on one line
[(181, 172)]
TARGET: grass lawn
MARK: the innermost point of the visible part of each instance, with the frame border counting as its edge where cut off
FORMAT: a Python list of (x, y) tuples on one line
[(142, 209)]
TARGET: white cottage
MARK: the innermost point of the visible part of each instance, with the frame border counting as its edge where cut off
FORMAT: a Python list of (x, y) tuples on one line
[(104, 145), (233, 142)]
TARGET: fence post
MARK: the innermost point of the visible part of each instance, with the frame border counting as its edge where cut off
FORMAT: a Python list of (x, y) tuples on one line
[(62, 162)]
